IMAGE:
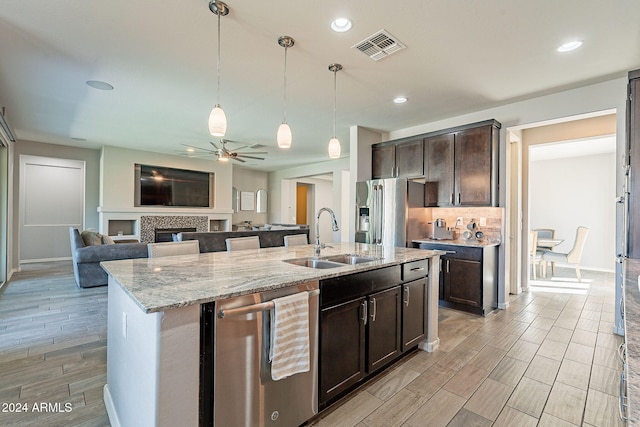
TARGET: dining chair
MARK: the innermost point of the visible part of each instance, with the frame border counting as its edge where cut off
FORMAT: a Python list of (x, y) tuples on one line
[(546, 233), (296, 240), (574, 255), (535, 256), (239, 243), (185, 247)]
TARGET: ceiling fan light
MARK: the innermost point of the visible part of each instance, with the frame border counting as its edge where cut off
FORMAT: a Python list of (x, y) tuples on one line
[(217, 121), (284, 136), (334, 148)]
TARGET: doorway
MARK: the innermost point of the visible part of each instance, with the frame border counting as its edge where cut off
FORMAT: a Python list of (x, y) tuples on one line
[(51, 200), (302, 203), (577, 129)]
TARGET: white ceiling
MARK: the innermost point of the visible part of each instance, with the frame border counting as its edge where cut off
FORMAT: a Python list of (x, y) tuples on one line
[(160, 56), (573, 148)]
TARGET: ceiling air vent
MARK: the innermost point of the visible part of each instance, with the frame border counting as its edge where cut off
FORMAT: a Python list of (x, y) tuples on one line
[(379, 45)]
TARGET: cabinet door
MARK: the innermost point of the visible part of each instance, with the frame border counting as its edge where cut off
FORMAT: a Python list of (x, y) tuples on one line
[(342, 347), (384, 328), (438, 170), (463, 281), (473, 167), (409, 159), (383, 161), (414, 313)]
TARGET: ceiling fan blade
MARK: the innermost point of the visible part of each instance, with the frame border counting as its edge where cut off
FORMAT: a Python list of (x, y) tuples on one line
[(214, 145), (250, 157), (255, 152), (199, 148), (238, 159)]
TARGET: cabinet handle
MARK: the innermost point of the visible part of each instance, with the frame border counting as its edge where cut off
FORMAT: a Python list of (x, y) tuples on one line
[(458, 198), (417, 269), (447, 266), (406, 296), (451, 199), (374, 309), (364, 312)]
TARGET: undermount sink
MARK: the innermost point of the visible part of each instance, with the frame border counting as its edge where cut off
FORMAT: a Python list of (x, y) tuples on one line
[(314, 263), (331, 261), (350, 258)]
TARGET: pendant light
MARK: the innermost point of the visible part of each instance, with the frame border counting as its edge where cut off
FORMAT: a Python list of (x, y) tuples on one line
[(334, 143), (284, 131), (217, 118)]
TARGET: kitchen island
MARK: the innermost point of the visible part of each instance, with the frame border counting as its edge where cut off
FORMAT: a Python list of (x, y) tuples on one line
[(154, 319)]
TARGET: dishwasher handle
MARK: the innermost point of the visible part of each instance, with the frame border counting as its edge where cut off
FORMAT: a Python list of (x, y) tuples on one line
[(255, 308)]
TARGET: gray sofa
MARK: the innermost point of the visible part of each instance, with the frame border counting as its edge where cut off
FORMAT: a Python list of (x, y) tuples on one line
[(214, 241), (86, 259)]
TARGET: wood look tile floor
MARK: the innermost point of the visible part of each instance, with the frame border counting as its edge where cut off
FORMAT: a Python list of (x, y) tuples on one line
[(550, 359)]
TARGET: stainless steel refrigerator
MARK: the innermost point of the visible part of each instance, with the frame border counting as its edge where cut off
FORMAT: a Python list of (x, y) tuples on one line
[(390, 212)]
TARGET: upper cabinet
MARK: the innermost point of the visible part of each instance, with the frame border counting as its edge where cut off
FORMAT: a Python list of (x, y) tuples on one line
[(459, 165), (632, 175), (401, 160)]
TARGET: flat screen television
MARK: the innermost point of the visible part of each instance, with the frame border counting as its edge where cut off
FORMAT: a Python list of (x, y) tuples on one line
[(163, 186)]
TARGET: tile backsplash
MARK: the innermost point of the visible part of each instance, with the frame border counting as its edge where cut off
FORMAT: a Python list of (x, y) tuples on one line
[(494, 218)]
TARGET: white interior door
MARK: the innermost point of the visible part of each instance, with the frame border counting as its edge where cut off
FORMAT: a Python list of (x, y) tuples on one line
[(51, 200)]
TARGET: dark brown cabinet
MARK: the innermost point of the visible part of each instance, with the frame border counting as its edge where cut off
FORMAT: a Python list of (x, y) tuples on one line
[(383, 328), (401, 160), (343, 347), (468, 277), (414, 313), (368, 320), (460, 167)]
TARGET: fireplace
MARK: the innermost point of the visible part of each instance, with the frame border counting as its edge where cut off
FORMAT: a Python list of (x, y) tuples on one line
[(149, 224), (166, 234)]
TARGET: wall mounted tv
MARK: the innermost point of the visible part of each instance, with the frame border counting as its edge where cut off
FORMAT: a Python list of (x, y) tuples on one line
[(163, 186)]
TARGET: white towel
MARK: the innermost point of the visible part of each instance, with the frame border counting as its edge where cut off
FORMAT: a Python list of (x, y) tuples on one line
[(289, 352)]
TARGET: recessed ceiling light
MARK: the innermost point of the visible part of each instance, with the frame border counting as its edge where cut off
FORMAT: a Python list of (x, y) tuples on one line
[(400, 99), (340, 25), (190, 150), (567, 47), (97, 84)]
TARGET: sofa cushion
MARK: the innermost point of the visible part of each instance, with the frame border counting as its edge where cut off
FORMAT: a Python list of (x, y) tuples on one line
[(91, 237), (106, 240)]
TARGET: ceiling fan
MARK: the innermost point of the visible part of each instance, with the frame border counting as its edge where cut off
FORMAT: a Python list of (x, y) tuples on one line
[(224, 154)]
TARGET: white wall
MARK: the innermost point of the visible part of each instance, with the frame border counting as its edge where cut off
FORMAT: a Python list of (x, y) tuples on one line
[(568, 192), (117, 176), (251, 180), (279, 205)]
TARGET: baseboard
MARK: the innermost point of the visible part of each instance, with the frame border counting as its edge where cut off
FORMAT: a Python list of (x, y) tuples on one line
[(585, 268), (429, 347), (111, 408), (33, 261)]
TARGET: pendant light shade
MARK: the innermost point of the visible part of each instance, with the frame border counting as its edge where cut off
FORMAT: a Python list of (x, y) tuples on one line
[(217, 121), (217, 118), (334, 148), (334, 143), (284, 136)]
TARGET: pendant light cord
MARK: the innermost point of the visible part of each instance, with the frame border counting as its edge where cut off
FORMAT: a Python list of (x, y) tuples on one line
[(334, 102), (285, 84), (218, 69)]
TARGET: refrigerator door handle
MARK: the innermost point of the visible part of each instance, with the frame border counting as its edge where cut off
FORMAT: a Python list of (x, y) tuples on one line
[(374, 213), (380, 213)]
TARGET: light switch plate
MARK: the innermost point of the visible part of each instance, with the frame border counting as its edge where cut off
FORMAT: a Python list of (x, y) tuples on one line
[(483, 222), (124, 325)]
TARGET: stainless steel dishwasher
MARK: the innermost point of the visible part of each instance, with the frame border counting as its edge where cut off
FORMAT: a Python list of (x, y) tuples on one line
[(236, 386)]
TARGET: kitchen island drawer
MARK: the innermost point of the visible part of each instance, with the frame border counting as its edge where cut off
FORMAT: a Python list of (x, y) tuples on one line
[(344, 288), (414, 270)]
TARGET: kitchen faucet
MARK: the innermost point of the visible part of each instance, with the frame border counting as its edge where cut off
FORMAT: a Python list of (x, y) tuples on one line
[(334, 225)]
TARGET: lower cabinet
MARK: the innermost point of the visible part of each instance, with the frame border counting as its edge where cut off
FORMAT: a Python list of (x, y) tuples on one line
[(367, 321), (468, 277)]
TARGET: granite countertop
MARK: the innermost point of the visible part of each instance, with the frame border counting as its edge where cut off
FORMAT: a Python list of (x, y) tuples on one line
[(462, 242), (632, 337), (159, 284)]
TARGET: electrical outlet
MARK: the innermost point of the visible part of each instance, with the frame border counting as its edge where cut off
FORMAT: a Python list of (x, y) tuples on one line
[(459, 221), (483, 222)]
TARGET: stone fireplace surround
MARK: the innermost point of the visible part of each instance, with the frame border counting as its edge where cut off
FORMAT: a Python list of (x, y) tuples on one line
[(149, 224)]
